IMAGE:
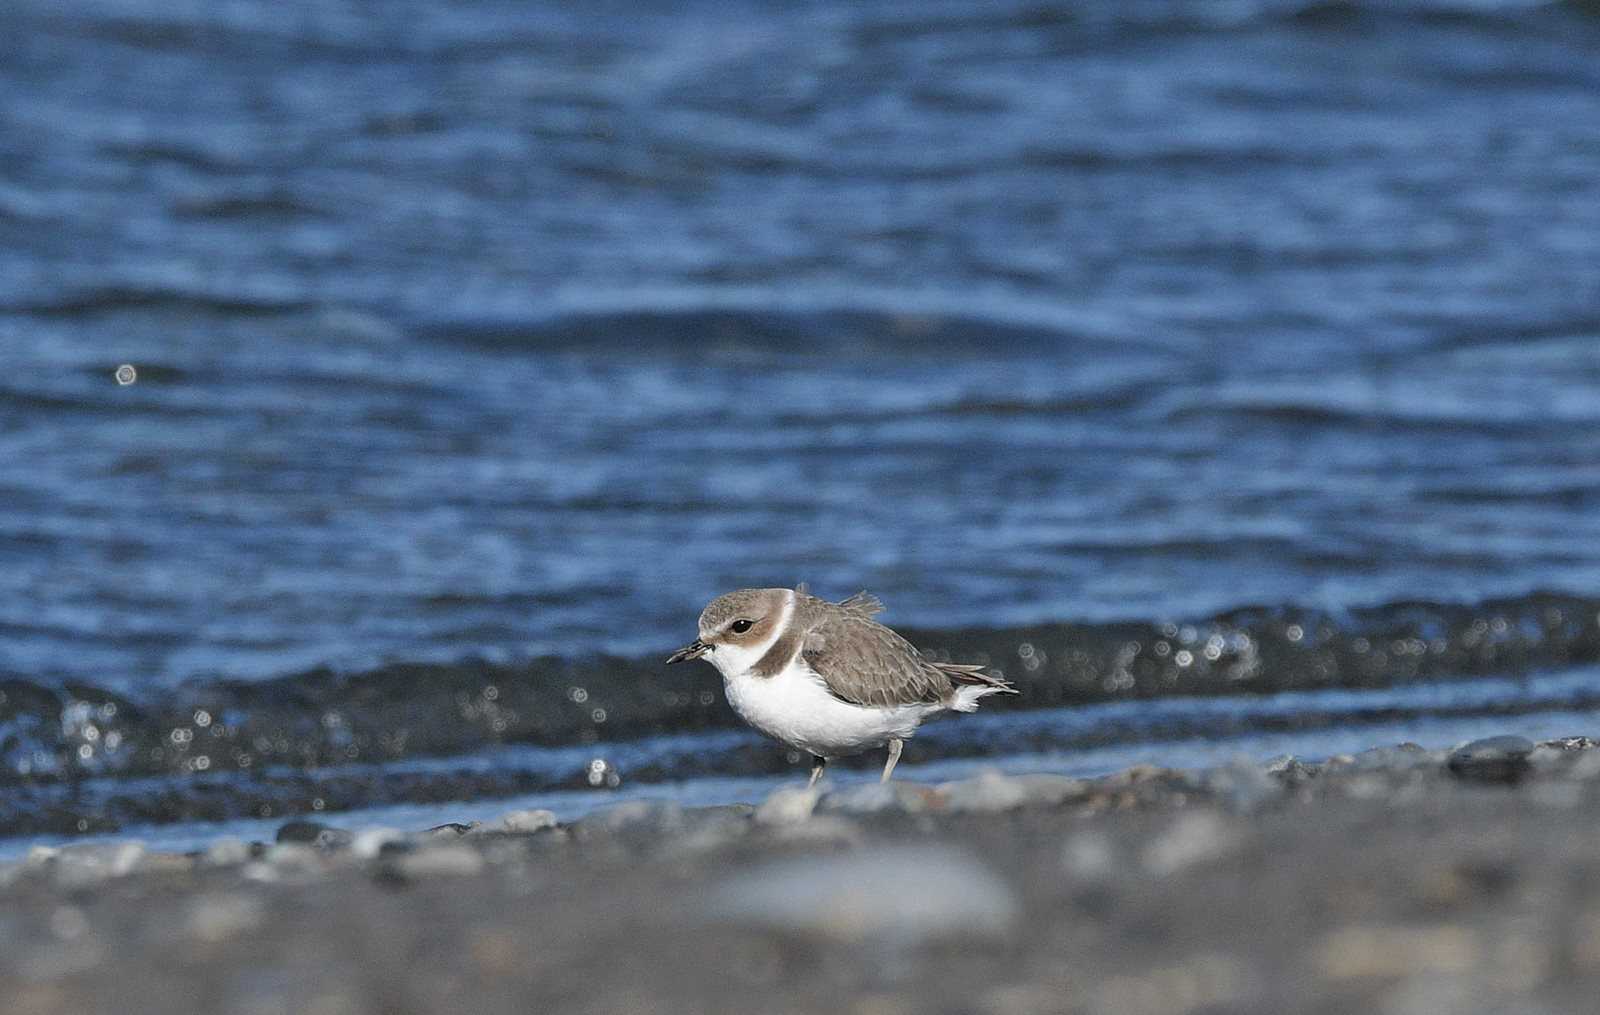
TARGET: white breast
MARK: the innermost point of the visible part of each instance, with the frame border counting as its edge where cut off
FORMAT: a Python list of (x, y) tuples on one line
[(796, 708)]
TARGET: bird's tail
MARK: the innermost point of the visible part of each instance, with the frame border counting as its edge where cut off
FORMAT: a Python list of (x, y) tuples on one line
[(972, 684)]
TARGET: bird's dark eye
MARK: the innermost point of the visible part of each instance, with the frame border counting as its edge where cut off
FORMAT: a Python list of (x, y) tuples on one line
[(741, 626)]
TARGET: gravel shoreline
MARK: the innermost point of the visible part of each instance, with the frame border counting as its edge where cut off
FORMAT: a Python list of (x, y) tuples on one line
[(1397, 880)]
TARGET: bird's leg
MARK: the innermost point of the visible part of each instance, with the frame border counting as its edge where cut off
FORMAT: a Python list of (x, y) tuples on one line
[(817, 765), (894, 757)]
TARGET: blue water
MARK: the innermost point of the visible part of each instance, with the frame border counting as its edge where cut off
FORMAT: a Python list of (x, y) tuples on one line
[(1180, 733), (486, 333)]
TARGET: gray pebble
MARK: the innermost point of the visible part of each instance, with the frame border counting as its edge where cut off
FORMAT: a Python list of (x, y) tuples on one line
[(708, 831), (994, 791), (227, 852), (1396, 758), (891, 895), (1242, 786), (1291, 771), (41, 856), (1492, 759), (1557, 794), (293, 862), (875, 798), (1587, 766), (787, 806), (1548, 758), (314, 833), (820, 830), (293, 856), (1089, 856), (91, 863), (526, 821), (1195, 837), (439, 861), (635, 816), (1575, 743), (216, 917), (371, 842)]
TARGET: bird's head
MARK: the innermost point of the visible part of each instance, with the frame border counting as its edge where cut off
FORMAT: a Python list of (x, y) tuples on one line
[(736, 629)]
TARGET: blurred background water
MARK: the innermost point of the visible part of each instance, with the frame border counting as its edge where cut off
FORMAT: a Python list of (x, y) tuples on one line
[(1200, 351)]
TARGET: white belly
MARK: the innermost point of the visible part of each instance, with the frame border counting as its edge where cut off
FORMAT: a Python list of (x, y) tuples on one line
[(796, 708)]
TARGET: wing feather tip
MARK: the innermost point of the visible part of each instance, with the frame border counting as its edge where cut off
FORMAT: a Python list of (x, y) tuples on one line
[(972, 674), (863, 603)]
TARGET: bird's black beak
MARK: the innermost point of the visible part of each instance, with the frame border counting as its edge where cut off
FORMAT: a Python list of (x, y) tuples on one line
[(694, 650)]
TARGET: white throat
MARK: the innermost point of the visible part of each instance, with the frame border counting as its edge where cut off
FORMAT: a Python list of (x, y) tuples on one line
[(735, 660)]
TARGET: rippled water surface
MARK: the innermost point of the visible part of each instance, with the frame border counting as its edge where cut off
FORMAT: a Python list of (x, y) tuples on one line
[(1140, 349)]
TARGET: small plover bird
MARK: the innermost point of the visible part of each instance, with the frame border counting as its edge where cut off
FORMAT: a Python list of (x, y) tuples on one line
[(825, 677)]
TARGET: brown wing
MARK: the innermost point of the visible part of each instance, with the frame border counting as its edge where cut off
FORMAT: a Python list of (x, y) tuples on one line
[(863, 662)]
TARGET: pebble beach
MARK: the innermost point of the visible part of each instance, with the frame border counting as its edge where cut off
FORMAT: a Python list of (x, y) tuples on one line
[(387, 388), (1397, 880)]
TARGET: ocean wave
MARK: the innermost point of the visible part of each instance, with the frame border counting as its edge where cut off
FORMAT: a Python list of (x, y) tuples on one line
[(113, 298), (725, 332), (65, 732)]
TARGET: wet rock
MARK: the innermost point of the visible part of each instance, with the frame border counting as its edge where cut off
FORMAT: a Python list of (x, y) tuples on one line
[(1493, 759), (314, 833), (1561, 755), (1194, 838), (891, 895), (787, 806), (1291, 771), (451, 829), (1571, 743)]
